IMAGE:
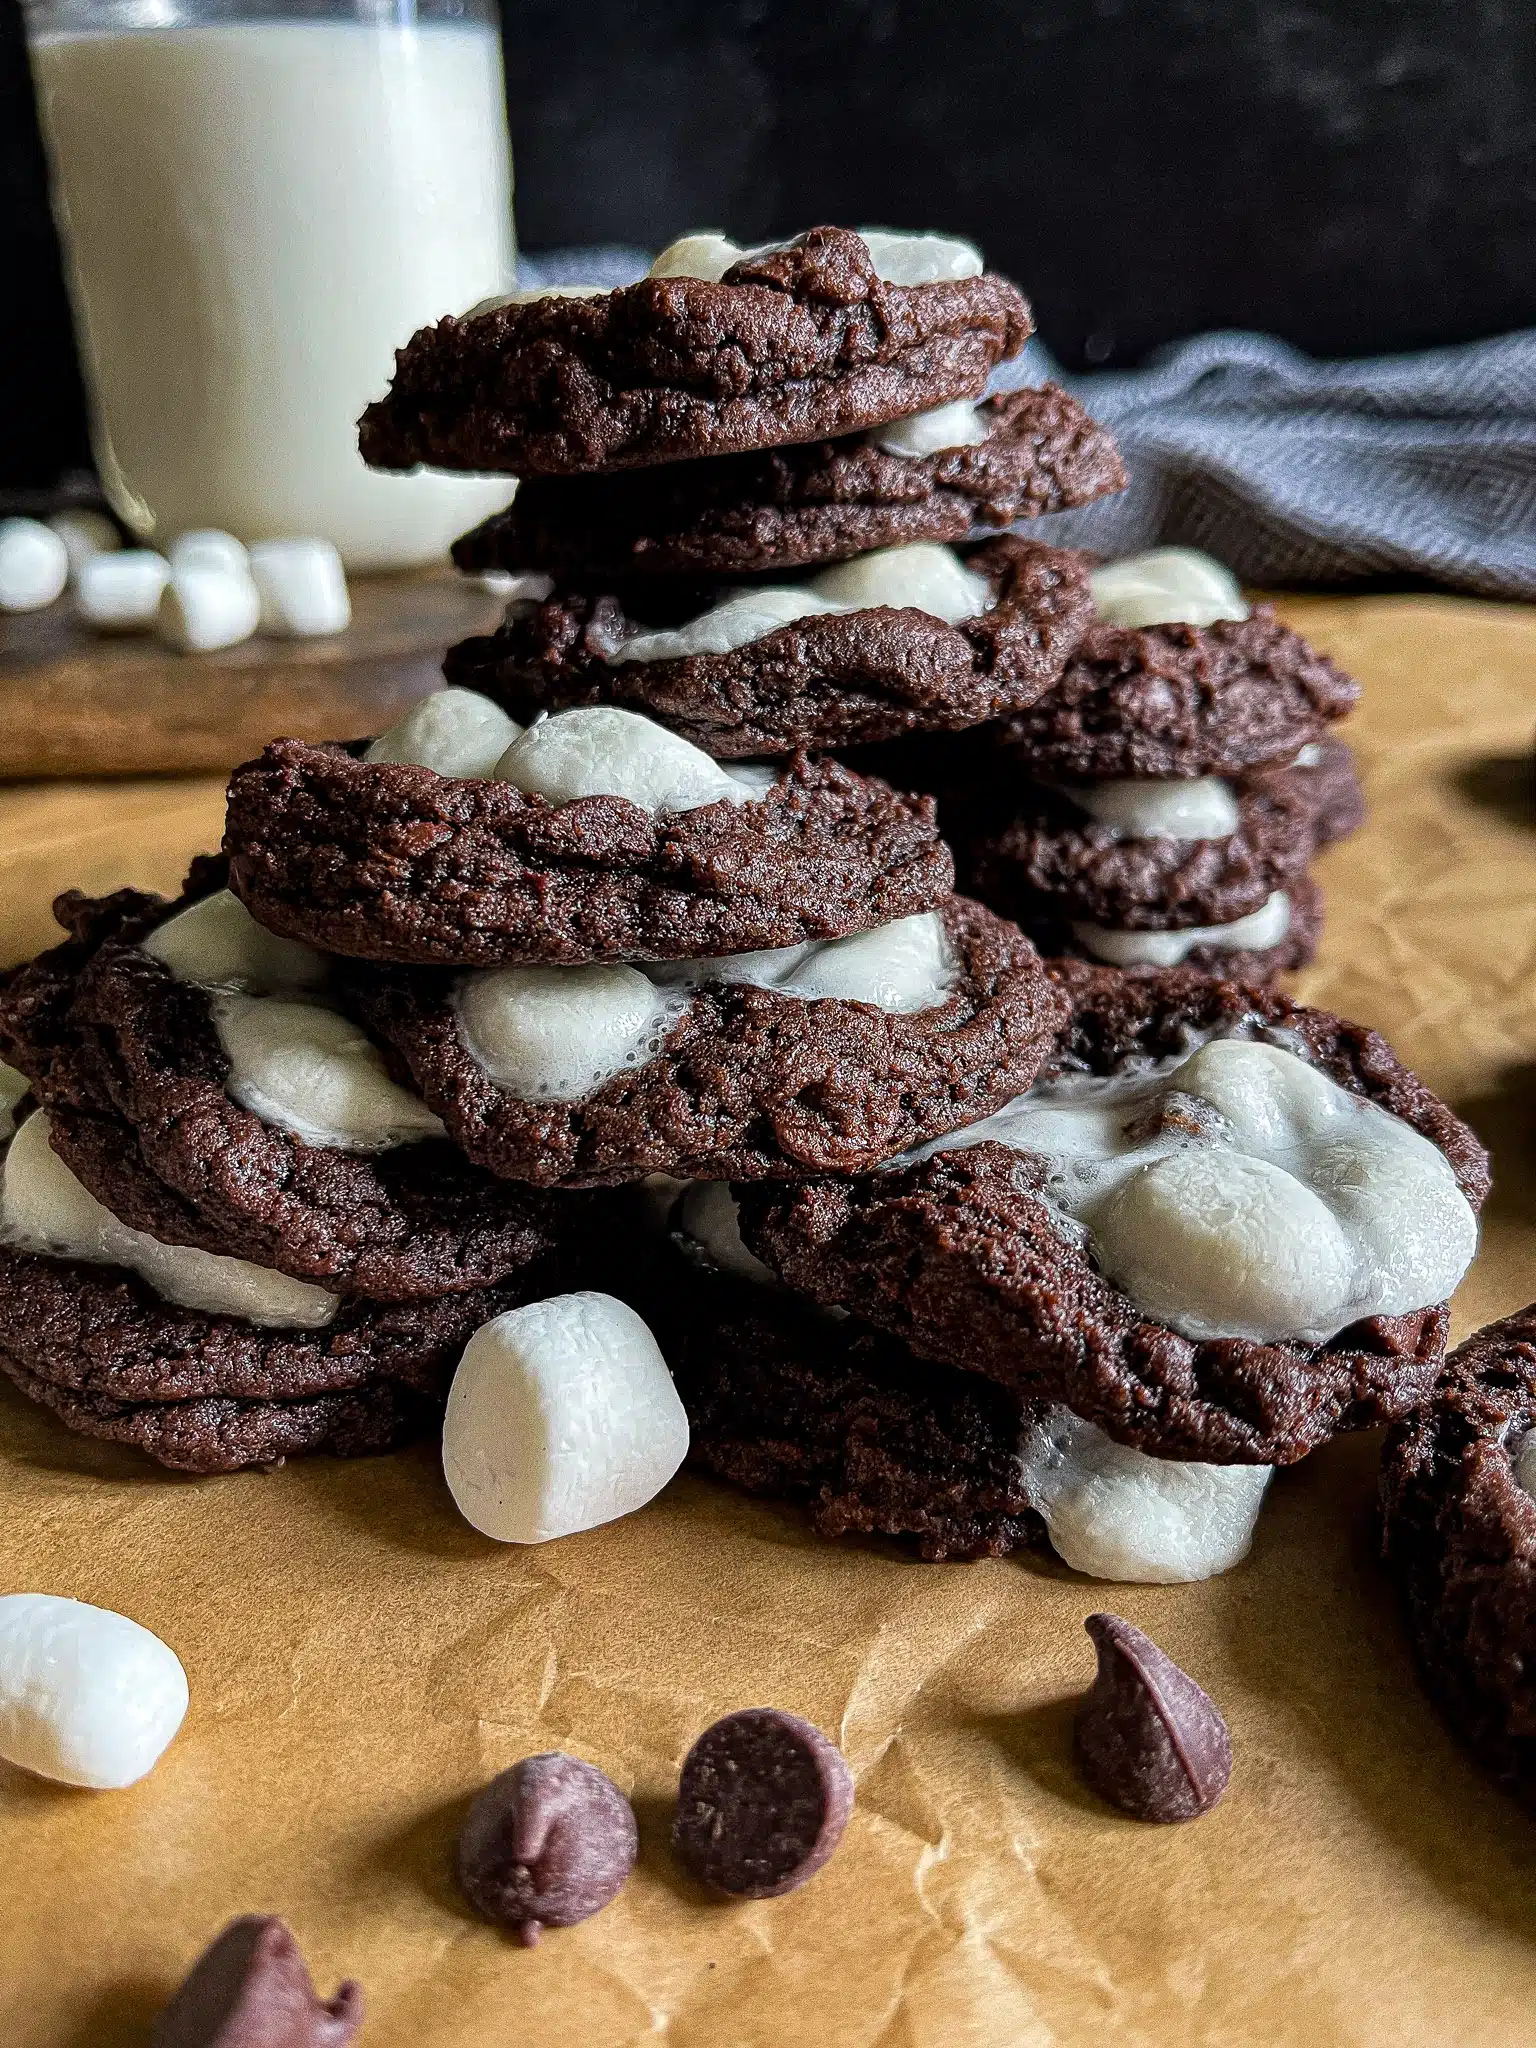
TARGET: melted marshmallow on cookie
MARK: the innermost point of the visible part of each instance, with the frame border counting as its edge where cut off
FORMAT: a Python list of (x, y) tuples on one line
[(956, 425), (559, 1034), (922, 576), (293, 1062), (1255, 933), (1135, 807), (603, 751), (45, 1209), (455, 732), (897, 258), (1165, 587), (13, 1085), (1239, 1192)]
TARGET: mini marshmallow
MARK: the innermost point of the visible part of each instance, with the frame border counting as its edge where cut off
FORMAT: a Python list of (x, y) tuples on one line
[(556, 1034), (13, 1085), (43, 1208), (208, 547), (1166, 586), (709, 1215), (121, 593), (923, 576), (1199, 807), (216, 943), (205, 607), (956, 425), (454, 732), (1237, 1191), (897, 258), (601, 751), (85, 534), (34, 565), (302, 587), (314, 1073), (1114, 1513), (87, 1697), (1261, 928), (562, 1416)]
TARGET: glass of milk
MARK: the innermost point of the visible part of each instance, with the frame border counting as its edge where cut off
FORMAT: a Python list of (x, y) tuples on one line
[(259, 203)]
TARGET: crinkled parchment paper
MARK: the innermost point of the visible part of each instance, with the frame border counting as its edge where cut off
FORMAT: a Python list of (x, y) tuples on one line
[(360, 1660)]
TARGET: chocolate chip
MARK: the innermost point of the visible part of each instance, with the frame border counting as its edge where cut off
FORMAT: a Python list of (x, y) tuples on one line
[(250, 1989), (763, 1803), (546, 1844), (1147, 1738)]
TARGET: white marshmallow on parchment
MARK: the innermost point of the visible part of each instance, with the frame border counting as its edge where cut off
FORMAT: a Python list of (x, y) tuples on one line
[(1165, 587), (603, 751), (121, 593), (34, 565), (87, 1697), (1114, 1513), (206, 606), (43, 1208), (85, 534), (216, 943), (556, 1034), (312, 1072), (562, 1416), (453, 732), (302, 586)]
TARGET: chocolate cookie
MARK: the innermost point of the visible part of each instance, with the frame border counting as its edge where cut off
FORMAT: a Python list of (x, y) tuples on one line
[(795, 344), (1049, 859), (130, 1065), (221, 1435), (1459, 1532), (1180, 700), (394, 862), (100, 1332), (786, 1403), (961, 1258), (749, 1081), (821, 501), (824, 680), (1057, 940)]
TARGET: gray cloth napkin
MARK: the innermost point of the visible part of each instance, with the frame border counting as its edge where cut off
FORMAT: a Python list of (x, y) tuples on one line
[(1290, 469)]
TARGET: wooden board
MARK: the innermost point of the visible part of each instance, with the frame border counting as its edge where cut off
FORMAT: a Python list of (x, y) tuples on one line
[(76, 703)]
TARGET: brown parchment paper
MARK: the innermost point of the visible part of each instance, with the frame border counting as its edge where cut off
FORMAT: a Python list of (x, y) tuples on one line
[(360, 1660)]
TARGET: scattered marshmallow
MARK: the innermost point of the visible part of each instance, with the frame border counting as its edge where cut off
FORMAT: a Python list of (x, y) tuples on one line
[(209, 547), (216, 943), (205, 606), (1115, 1513), (34, 565), (1133, 807), (562, 1416), (120, 593), (87, 1697), (1166, 586), (302, 587), (85, 534), (956, 425), (453, 732), (1237, 1191), (603, 751), (43, 1208), (1260, 929), (13, 1085), (314, 1073), (556, 1034)]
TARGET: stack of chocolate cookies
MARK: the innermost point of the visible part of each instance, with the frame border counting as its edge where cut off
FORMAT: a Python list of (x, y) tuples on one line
[(958, 1246)]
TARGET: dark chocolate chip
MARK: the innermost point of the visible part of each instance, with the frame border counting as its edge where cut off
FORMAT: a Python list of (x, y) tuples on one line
[(763, 1803), (250, 1989), (1147, 1738), (546, 1844)]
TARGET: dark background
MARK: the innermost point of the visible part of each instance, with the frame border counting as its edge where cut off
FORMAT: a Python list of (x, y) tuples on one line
[(1355, 175)]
